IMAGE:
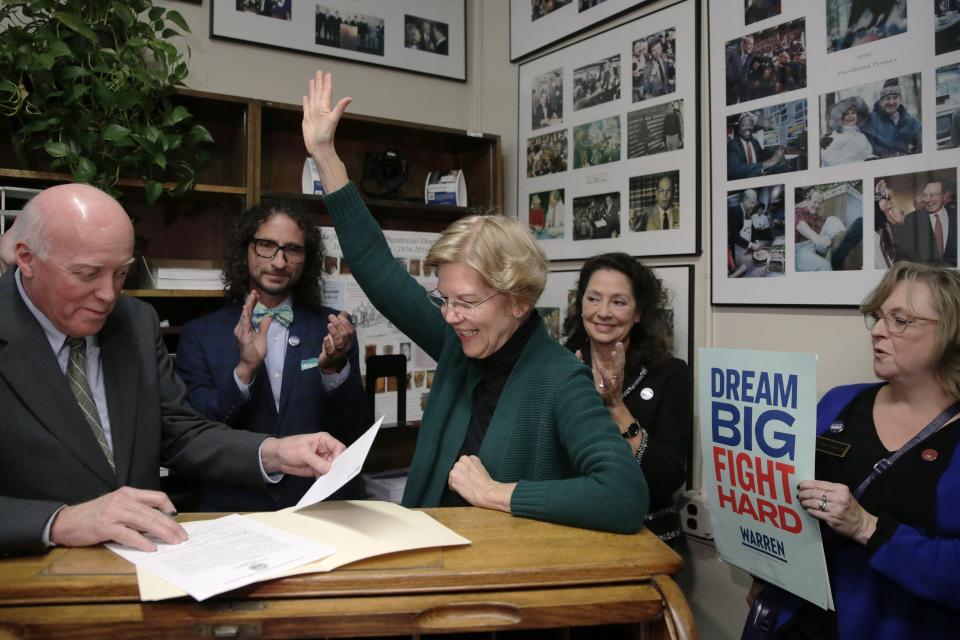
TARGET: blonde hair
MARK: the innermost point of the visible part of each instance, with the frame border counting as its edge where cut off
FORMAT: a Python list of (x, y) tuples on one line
[(944, 285), (500, 249)]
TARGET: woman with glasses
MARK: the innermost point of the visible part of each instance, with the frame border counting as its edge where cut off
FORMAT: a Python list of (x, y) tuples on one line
[(513, 421), (888, 484), (618, 327)]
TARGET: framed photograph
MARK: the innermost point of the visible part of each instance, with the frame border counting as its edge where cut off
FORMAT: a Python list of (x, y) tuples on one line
[(608, 134), (833, 133), (420, 36), (561, 291), (536, 24)]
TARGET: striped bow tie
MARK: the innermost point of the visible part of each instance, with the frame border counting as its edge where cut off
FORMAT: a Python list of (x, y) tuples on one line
[(281, 313)]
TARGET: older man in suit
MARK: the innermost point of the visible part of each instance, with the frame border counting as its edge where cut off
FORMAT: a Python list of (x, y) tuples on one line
[(664, 214), (929, 234), (274, 362), (90, 403)]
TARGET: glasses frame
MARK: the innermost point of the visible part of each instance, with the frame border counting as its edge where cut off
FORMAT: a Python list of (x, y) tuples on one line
[(465, 308), (293, 258), (871, 319)]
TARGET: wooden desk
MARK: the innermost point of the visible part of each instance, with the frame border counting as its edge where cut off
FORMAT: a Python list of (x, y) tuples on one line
[(517, 574)]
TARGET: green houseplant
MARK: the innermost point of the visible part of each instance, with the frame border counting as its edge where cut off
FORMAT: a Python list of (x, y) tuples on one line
[(86, 87)]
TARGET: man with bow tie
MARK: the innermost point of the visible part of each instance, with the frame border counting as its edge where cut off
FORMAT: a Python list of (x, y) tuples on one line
[(275, 361)]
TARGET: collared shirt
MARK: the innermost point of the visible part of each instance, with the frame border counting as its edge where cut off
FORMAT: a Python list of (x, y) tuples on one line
[(278, 337), (57, 340)]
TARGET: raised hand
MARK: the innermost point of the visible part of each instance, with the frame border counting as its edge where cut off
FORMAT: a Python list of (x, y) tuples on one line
[(319, 126), (253, 342), (337, 343)]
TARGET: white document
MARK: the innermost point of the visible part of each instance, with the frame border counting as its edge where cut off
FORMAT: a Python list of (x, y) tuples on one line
[(224, 554), (359, 529), (344, 468)]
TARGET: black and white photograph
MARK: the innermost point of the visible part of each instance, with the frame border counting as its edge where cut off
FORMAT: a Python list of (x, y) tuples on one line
[(414, 36), (279, 9), (596, 217), (546, 214), (352, 31), (547, 99), (755, 232), (757, 10), (876, 101), (585, 5), (851, 23), (915, 218), (536, 24), (767, 62), (655, 202), (828, 227), (654, 65), (947, 25), (948, 106), (767, 141), (596, 83), (655, 129), (540, 8), (612, 140), (547, 154), (596, 143), (425, 35)]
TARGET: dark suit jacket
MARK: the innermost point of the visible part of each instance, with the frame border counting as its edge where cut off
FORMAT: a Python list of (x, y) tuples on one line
[(737, 165), (49, 455), (206, 357), (914, 240), (736, 75)]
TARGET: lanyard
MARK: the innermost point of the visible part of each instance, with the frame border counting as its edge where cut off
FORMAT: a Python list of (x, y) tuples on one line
[(885, 463)]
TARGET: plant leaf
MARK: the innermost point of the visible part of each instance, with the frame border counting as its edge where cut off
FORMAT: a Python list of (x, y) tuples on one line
[(123, 12), (180, 113), (84, 170), (154, 189), (76, 23), (199, 133), (116, 133), (177, 19), (56, 149), (160, 160)]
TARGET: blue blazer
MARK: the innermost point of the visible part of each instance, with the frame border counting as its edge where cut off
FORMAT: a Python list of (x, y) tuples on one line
[(206, 357)]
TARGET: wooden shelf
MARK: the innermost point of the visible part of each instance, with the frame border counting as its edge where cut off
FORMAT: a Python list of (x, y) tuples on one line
[(54, 177), (387, 208)]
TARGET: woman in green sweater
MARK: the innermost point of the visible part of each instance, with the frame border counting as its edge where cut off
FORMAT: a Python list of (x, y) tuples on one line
[(513, 421)]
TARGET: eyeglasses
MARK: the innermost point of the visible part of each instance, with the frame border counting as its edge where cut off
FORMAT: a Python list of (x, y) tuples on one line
[(465, 308), (894, 321), (292, 253)]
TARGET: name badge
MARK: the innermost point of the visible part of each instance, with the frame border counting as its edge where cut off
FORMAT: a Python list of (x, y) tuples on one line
[(309, 363), (833, 448)]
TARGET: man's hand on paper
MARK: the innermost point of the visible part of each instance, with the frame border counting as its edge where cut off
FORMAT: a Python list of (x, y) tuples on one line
[(470, 479), (126, 515), (307, 455)]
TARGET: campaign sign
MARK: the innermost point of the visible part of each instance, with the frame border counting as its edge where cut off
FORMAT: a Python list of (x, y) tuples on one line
[(758, 413)]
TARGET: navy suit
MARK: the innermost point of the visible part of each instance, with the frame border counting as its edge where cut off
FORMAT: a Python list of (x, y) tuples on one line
[(206, 357), (915, 241), (737, 165)]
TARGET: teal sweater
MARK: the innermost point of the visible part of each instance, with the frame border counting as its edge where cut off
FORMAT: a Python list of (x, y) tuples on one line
[(550, 432)]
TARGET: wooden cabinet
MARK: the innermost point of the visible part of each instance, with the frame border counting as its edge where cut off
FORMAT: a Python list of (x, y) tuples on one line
[(259, 154)]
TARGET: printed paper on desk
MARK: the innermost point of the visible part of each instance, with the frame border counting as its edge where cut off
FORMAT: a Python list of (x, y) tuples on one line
[(344, 468), (225, 554)]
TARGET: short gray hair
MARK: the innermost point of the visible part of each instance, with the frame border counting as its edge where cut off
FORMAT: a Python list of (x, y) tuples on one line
[(32, 229)]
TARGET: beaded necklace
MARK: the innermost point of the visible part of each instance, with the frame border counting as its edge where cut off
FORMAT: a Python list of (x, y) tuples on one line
[(635, 383)]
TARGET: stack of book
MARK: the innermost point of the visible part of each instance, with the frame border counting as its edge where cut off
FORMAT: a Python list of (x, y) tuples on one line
[(185, 274)]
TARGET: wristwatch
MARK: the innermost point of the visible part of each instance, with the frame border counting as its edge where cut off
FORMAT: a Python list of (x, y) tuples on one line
[(631, 430)]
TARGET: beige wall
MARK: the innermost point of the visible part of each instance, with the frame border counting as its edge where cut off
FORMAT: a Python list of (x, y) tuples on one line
[(488, 102)]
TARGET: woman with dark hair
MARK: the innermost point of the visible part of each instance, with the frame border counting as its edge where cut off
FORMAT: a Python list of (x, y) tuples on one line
[(618, 326), (846, 143)]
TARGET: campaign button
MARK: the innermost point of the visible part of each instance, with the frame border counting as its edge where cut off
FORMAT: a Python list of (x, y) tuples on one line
[(929, 455)]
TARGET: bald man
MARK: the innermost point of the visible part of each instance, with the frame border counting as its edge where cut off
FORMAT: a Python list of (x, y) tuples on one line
[(89, 402)]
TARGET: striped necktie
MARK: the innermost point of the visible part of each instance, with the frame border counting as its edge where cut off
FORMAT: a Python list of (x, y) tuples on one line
[(77, 379)]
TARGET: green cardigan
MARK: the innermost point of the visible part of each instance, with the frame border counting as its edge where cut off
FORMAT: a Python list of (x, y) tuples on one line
[(550, 432)]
